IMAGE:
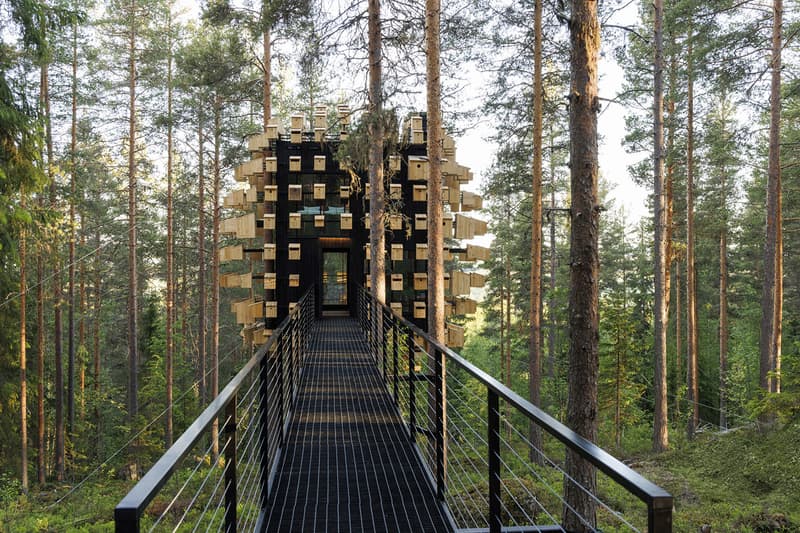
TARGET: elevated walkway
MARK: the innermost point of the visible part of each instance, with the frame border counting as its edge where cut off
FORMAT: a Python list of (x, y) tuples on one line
[(348, 464)]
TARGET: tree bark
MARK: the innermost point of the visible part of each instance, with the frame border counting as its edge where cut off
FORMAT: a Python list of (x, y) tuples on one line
[(133, 301), (535, 341), (57, 297), (41, 467), (71, 283), (770, 309), (267, 78), (584, 262), (201, 261), (723, 324), (170, 289), (98, 289), (660, 422), (551, 306), (23, 346), (215, 216), (691, 270), (377, 234)]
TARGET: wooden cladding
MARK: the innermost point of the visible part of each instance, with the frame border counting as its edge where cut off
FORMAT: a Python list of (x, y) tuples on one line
[(477, 253), (470, 201), (244, 227), (231, 253), (467, 228), (230, 280), (459, 283), (455, 336)]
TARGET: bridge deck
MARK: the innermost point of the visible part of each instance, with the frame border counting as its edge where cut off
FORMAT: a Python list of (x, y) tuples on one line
[(348, 464)]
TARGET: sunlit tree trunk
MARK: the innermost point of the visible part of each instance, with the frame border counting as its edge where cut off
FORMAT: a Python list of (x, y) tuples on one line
[(535, 341), (23, 347), (41, 466), (660, 422), (73, 146), (377, 235), (579, 508), (691, 271)]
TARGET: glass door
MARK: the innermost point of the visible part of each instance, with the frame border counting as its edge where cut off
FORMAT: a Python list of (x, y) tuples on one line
[(334, 279)]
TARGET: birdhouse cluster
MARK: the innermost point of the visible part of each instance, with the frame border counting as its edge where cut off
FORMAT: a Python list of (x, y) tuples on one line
[(301, 218)]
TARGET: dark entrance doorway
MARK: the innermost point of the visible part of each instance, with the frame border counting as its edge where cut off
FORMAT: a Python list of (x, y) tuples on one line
[(334, 280)]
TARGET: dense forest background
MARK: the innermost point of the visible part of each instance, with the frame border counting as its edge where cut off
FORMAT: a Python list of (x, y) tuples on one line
[(122, 121)]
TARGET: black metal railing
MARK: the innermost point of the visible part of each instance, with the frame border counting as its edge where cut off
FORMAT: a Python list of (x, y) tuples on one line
[(223, 484), (473, 436)]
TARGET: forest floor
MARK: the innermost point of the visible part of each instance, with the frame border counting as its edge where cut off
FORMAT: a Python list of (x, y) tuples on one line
[(738, 481)]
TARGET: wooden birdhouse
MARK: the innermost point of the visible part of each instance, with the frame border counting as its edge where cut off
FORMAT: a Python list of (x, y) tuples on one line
[(298, 121), (397, 252), (294, 251), (269, 220), (420, 193), (422, 251), (271, 309), (269, 252), (295, 163), (419, 309), (294, 280), (271, 164), (295, 221), (420, 222), (344, 192), (420, 281), (319, 163), (346, 221), (397, 282), (395, 222), (395, 191), (270, 193), (295, 193), (397, 308), (417, 168), (270, 281), (394, 163), (296, 136), (319, 221), (319, 191)]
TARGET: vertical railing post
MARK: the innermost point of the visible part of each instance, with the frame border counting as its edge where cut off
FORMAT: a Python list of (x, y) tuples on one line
[(438, 380), (263, 439), (279, 360), (292, 353), (412, 393), (383, 338), (229, 431), (396, 378), (495, 520), (659, 516)]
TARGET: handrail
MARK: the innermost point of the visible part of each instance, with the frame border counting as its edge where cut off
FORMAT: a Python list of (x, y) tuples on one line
[(129, 510), (659, 502)]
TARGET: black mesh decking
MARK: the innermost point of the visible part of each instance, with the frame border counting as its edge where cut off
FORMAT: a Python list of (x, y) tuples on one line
[(348, 464)]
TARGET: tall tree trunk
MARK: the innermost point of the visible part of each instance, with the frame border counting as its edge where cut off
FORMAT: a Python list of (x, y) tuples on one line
[(660, 422), (723, 324), (170, 351), (267, 77), (57, 297), (584, 262), (201, 261), (377, 234), (82, 305), (692, 389), (23, 347), (535, 341), (678, 339), (41, 467), (435, 232), (770, 314), (551, 305), (670, 158), (98, 289), (73, 146), (133, 302), (215, 266)]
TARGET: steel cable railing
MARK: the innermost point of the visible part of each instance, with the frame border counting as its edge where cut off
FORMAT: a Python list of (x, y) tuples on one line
[(472, 435), (225, 485)]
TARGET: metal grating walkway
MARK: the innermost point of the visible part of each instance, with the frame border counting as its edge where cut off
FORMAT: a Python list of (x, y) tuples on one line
[(347, 463)]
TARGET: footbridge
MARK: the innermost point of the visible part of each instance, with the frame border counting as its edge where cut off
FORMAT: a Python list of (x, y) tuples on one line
[(364, 423)]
